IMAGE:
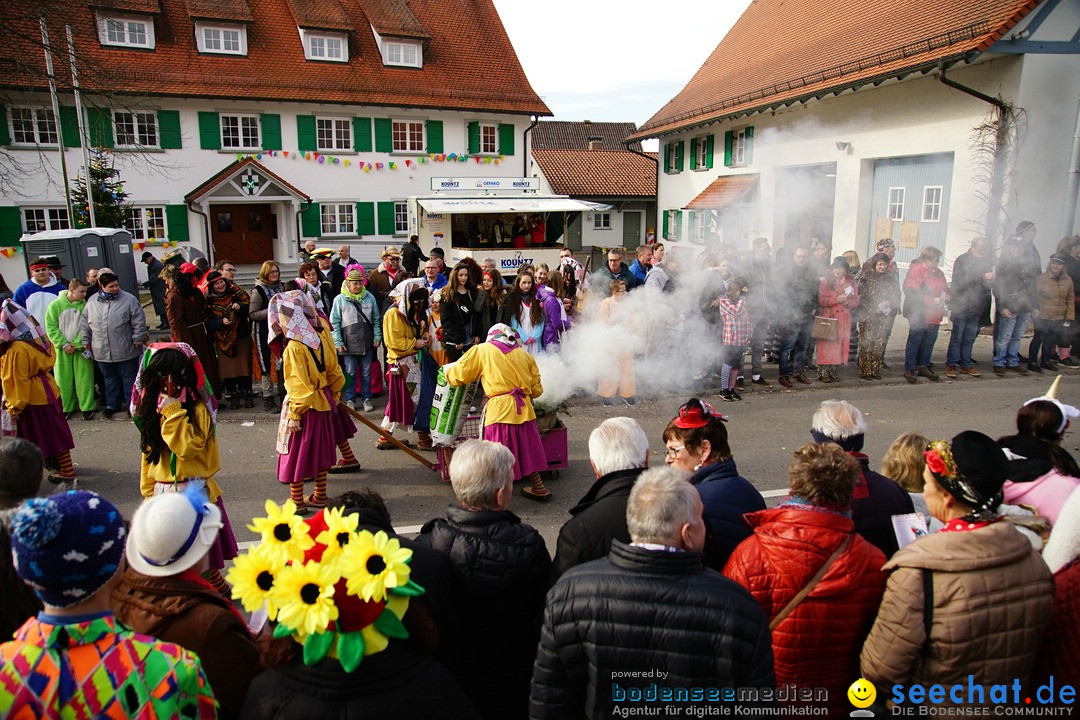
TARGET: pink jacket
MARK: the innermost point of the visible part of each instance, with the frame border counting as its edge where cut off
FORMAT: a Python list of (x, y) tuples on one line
[(1047, 494)]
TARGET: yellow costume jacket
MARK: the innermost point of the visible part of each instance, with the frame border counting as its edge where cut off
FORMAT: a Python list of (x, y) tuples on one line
[(194, 446), (501, 374)]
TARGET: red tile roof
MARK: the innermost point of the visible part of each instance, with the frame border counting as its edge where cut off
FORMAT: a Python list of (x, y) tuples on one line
[(723, 192), (321, 14), (566, 134), (469, 62), (137, 6), (781, 52), (236, 10), (597, 173), (393, 17)]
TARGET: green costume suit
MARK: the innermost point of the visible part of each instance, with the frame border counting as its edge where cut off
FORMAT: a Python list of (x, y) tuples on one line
[(74, 373)]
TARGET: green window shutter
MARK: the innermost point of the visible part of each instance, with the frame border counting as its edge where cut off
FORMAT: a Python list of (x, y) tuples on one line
[(474, 138), (679, 148), (667, 161), (693, 153), (361, 134), (100, 121), (384, 136), (386, 218), (69, 126), (709, 150), (270, 132), (365, 217), (749, 154), (305, 133), (311, 221), (168, 122), (506, 139), (10, 226), (434, 131), (690, 225), (176, 222), (729, 140), (665, 232), (209, 131), (5, 137)]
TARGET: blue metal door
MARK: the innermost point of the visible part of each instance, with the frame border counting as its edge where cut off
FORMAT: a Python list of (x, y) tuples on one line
[(912, 189)]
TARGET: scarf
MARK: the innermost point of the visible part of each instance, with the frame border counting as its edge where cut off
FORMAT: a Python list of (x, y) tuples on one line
[(206, 393), (220, 306), (357, 296), (16, 323), (503, 337), (292, 315)]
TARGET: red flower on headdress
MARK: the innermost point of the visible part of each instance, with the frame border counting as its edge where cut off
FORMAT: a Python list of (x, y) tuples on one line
[(936, 463)]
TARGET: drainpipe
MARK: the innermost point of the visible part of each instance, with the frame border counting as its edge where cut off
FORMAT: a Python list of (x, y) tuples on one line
[(525, 146), (206, 229), (997, 174), (1072, 183), (656, 197), (298, 214)]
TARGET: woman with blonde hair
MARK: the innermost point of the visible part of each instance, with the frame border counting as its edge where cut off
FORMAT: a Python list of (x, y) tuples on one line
[(268, 285), (903, 464)]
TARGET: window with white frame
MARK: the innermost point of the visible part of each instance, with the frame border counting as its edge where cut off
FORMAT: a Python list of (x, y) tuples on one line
[(147, 223), (401, 217), (338, 218), (40, 219), (601, 221), (896, 203), (931, 203), (672, 157), (408, 136), (240, 132), (333, 133), (489, 138), (126, 31), (325, 46), (223, 39), (405, 54), (700, 227), (701, 158), (739, 143), (33, 126), (135, 129)]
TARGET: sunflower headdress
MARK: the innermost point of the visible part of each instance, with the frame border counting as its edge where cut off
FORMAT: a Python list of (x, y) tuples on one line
[(338, 591)]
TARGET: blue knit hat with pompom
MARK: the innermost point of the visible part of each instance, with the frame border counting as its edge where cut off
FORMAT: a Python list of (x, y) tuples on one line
[(67, 546)]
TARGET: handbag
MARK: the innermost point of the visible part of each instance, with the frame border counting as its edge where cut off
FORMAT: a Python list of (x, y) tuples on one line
[(824, 328)]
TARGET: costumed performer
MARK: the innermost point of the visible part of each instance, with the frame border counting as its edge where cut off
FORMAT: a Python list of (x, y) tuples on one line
[(405, 334), (175, 410), (74, 369), (511, 379)]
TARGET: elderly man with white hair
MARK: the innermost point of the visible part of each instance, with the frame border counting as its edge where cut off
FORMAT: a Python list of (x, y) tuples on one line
[(610, 624), (500, 569), (618, 452), (876, 498)]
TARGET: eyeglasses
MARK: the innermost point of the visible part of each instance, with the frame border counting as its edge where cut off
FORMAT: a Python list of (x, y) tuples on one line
[(673, 452)]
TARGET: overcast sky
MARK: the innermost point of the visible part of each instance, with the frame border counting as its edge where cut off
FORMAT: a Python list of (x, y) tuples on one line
[(602, 60)]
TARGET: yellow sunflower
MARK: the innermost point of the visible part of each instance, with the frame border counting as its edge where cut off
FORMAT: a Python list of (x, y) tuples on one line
[(374, 563), (284, 534), (305, 597), (253, 577), (340, 530)]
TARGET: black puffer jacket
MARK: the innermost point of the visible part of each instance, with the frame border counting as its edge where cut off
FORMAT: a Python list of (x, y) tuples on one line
[(500, 569), (876, 500), (598, 518), (400, 683), (643, 610)]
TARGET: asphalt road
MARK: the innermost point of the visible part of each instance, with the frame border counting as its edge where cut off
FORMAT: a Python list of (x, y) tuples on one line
[(764, 429)]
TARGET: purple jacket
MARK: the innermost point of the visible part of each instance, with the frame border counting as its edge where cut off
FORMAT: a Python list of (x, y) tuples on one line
[(553, 316)]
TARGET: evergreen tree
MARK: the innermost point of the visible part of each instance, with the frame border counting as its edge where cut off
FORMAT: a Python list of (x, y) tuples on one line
[(110, 207)]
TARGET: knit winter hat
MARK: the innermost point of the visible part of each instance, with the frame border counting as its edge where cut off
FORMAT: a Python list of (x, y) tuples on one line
[(67, 546)]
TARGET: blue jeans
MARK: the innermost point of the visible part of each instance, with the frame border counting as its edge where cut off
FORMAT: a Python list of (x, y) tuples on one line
[(965, 330), (352, 363), (793, 346), (119, 379), (920, 345), (428, 370), (1007, 333)]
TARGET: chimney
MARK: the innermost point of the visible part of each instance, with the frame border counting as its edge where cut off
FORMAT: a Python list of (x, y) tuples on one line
[(596, 142)]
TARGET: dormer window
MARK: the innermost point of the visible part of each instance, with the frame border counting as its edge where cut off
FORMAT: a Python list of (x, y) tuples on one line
[(126, 31), (221, 39), (403, 53), (326, 46)]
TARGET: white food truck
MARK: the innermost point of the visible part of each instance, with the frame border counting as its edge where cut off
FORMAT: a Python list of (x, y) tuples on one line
[(468, 216)]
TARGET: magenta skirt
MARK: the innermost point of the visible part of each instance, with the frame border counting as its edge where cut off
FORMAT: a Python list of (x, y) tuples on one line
[(344, 427), (45, 426), (400, 407), (312, 449), (524, 441), (225, 547)]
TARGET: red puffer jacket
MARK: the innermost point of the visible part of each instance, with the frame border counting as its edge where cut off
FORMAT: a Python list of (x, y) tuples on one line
[(922, 286), (1060, 653), (818, 644)]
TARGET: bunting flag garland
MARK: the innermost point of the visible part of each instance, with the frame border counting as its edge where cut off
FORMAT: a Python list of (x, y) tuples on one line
[(8, 252), (362, 164)]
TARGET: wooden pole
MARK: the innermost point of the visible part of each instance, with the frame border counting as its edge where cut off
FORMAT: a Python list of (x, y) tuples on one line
[(420, 458)]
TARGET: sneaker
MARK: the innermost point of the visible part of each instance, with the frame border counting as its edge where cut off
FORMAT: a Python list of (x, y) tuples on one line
[(739, 381), (88, 415), (760, 381), (109, 412), (249, 400), (1035, 369), (69, 414), (927, 373), (950, 371), (1069, 363), (786, 381), (609, 402), (735, 394), (910, 376), (803, 379), (999, 370), (970, 371), (727, 396), (1049, 366), (1018, 369), (885, 365), (630, 401), (368, 407)]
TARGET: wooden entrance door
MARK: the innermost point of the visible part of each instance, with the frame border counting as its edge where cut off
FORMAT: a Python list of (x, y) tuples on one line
[(242, 233)]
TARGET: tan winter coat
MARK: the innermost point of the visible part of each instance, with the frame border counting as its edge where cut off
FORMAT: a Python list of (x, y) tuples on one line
[(993, 599), (1055, 297)]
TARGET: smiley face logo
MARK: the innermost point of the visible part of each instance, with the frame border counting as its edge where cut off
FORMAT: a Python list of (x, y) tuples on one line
[(862, 693)]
